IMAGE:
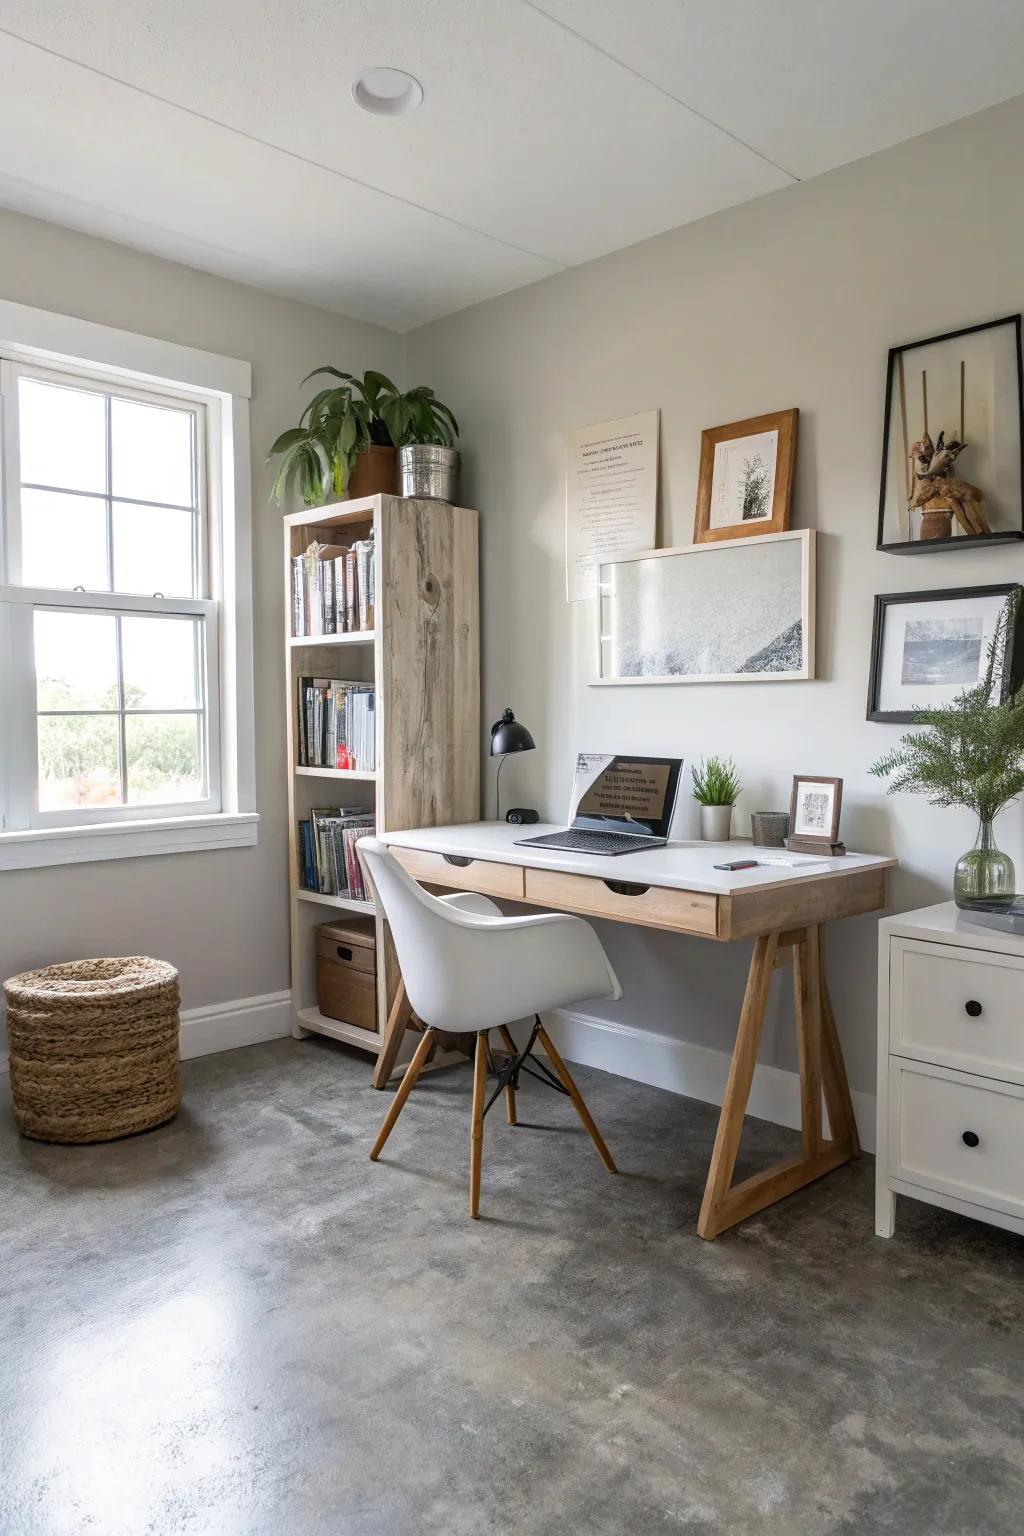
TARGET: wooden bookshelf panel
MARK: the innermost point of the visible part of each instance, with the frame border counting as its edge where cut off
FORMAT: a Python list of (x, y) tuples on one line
[(423, 659)]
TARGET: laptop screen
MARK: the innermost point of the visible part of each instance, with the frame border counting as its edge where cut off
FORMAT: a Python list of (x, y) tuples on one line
[(624, 794)]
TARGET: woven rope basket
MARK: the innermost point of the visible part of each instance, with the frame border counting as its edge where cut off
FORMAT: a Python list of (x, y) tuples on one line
[(94, 1048)]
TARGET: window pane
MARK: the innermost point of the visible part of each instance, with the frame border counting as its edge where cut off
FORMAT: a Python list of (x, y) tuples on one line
[(76, 660), (78, 761), (164, 759), (151, 452), (153, 550), (62, 436), (64, 541), (161, 662)]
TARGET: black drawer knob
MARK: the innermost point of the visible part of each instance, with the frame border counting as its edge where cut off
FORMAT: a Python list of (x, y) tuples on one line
[(970, 1138), (972, 1009), (343, 952)]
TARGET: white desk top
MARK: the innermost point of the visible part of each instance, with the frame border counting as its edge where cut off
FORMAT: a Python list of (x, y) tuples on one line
[(679, 866)]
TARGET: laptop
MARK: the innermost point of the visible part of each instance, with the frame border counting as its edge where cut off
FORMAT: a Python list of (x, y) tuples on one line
[(619, 805)]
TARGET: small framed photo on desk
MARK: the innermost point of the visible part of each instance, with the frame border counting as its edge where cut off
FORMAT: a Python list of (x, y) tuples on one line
[(814, 810)]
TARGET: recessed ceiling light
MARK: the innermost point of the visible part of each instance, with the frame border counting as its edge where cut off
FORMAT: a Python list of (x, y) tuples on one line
[(388, 92)]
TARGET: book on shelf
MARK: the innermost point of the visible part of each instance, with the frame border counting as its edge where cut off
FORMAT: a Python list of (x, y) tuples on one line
[(328, 863), (336, 724), (334, 588)]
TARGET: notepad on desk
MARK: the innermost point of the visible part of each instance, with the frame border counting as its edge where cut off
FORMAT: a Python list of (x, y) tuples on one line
[(789, 860)]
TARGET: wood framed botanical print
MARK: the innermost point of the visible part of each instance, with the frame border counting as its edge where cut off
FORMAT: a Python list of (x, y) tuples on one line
[(953, 441), (814, 809), (738, 612), (746, 477), (927, 647)]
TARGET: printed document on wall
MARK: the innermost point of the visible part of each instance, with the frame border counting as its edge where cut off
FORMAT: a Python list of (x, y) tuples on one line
[(611, 496)]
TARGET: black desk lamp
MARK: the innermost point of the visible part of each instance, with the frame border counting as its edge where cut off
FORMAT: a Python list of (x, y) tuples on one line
[(507, 735)]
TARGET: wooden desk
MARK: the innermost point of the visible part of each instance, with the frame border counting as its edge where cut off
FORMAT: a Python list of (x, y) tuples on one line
[(677, 888)]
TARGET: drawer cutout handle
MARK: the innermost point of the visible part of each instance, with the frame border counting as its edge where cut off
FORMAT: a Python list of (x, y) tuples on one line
[(973, 1008), (970, 1138), (342, 952), (626, 888), (456, 858)]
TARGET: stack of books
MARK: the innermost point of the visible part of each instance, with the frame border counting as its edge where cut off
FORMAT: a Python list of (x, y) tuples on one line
[(327, 851), (337, 724), (334, 588)]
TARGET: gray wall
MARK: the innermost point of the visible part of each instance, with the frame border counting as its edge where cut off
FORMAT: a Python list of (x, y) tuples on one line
[(222, 918), (790, 300)]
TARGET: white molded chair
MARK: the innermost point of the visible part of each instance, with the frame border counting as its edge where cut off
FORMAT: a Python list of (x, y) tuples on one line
[(468, 970)]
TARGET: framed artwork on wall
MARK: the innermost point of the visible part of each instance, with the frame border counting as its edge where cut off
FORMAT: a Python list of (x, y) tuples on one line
[(736, 612), (953, 441), (927, 647), (746, 478)]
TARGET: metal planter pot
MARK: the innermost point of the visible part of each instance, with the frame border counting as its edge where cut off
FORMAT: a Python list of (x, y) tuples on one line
[(429, 472), (715, 823)]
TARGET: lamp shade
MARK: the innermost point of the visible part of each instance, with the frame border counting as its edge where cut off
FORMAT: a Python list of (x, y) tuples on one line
[(507, 735)]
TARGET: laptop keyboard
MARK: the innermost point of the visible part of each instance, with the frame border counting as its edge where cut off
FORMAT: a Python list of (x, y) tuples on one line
[(593, 842)]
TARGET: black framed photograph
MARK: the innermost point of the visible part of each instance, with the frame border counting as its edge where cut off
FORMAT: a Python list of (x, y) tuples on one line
[(814, 809), (953, 441), (927, 647)]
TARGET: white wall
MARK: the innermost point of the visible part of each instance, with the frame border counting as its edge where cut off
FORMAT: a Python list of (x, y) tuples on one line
[(222, 918), (790, 300)]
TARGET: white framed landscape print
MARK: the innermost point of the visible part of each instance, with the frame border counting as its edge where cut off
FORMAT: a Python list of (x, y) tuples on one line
[(738, 611)]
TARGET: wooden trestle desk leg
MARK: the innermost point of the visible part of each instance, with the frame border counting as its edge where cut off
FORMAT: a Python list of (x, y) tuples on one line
[(394, 1033), (821, 1070)]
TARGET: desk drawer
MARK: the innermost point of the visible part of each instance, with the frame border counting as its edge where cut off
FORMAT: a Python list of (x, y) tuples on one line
[(932, 1110), (475, 875), (958, 1008), (652, 906)]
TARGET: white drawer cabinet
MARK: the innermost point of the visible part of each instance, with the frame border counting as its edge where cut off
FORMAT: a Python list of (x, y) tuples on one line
[(950, 1067)]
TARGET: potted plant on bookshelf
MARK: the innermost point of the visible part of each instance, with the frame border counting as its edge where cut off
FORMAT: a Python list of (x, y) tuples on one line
[(348, 435), (716, 788), (971, 753)]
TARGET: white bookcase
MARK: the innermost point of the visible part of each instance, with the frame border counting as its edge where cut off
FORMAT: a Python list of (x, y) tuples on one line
[(423, 658)]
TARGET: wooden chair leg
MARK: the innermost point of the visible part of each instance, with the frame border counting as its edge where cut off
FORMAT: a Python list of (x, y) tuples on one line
[(510, 1092), (394, 1033), (476, 1131), (807, 998), (841, 1118), (564, 1077), (403, 1091)]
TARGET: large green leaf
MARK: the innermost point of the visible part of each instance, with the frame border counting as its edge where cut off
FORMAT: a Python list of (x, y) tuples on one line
[(292, 435)]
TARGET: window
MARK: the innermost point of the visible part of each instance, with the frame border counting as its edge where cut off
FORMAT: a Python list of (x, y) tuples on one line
[(117, 588)]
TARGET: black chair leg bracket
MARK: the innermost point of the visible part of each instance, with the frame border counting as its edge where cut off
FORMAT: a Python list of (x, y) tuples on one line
[(509, 1073)]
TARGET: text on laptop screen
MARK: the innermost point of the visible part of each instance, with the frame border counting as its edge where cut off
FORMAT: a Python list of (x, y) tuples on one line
[(634, 794)]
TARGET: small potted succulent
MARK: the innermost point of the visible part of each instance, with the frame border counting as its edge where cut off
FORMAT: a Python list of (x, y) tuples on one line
[(716, 788), (348, 436)]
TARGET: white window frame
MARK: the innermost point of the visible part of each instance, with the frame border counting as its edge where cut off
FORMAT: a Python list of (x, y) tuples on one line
[(39, 343)]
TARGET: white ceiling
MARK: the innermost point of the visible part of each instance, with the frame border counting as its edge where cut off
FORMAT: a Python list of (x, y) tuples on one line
[(551, 132)]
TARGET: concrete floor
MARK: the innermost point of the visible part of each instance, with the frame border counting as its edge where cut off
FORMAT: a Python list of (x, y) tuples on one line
[(237, 1324)]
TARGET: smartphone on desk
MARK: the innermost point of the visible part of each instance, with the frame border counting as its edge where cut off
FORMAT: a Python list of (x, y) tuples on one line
[(739, 864)]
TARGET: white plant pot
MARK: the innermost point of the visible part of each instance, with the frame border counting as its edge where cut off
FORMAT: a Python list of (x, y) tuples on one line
[(715, 823)]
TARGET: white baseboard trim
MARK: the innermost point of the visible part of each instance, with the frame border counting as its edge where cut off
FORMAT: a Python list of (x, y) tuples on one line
[(225, 1026), (682, 1067), (221, 1026)]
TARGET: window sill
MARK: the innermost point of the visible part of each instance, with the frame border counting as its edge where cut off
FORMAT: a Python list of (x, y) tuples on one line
[(127, 840)]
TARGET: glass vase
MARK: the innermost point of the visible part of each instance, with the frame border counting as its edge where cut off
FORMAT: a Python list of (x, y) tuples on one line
[(984, 876)]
